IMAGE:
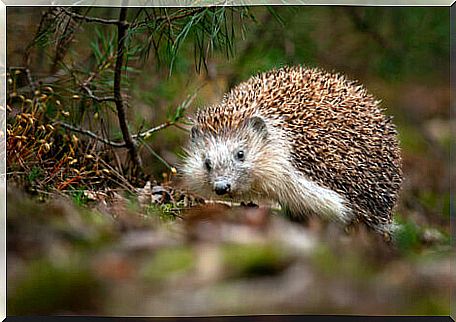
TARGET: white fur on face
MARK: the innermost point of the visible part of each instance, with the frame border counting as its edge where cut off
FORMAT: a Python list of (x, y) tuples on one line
[(266, 173), (220, 152)]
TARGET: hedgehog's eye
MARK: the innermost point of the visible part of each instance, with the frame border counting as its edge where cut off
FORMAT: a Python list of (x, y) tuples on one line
[(240, 155), (208, 164)]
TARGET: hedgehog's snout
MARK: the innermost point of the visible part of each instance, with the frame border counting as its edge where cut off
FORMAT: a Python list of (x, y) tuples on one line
[(222, 186)]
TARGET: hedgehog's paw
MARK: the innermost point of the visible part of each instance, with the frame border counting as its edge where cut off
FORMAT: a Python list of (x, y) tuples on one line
[(389, 231), (294, 216), (393, 229), (250, 204)]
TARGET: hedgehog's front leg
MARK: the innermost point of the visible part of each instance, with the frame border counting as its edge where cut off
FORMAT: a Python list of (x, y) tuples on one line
[(307, 197)]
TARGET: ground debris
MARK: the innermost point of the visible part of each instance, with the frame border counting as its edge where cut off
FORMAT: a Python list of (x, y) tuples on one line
[(213, 259)]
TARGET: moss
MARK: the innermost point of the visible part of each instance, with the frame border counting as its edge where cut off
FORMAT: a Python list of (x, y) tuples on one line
[(48, 288), (253, 260), (79, 197), (35, 173), (169, 262), (165, 212)]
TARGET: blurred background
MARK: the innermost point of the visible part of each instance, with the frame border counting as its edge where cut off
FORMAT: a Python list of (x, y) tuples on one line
[(93, 230)]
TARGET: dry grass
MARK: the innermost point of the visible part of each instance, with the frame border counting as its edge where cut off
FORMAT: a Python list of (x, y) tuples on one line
[(43, 157)]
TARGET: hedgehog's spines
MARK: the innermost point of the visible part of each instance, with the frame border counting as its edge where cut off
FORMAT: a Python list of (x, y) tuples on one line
[(335, 132)]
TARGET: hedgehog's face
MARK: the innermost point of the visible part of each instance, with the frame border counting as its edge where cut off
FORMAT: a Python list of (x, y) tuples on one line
[(224, 163)]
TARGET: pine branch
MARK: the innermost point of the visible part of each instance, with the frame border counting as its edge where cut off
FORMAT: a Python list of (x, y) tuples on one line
[(64, 34), (90, 19), (122, 28), (93, 19), (153, 130), (185, 14), (85, 84), (97, 98), (91, 134)]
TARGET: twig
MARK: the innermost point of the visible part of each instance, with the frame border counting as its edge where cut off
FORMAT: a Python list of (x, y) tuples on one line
[(125, 184), (129, 144), (183, 15), (182, 107), (85, 84), (91, 134), (97, 98), (93, 19), (48, 80), (166, 18), (127, 24), (152, 130), (118, 144), (65, 38), (155, 154), (101, 66)]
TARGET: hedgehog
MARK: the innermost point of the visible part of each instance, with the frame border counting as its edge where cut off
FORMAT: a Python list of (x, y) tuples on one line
[(315, 142)]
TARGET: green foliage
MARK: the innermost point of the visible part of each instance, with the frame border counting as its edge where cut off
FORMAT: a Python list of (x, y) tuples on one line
[(35, 173), (166, 31), (369, 45), (407, 237), (165, 212), (207, 28), (79, 198), (103, 46)]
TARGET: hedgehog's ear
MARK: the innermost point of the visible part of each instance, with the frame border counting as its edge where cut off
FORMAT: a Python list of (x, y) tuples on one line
[(196, 133), (257, 123)]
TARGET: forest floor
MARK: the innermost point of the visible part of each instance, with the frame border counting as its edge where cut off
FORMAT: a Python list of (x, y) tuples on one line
[(117, 253)]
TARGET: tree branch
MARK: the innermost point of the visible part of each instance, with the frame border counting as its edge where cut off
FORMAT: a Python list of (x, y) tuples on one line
[(185, 14), (112, 143), (91, 134), (92, 19), (154, 129), (85, 84), (97, 98), (180, 14), (129, 144)]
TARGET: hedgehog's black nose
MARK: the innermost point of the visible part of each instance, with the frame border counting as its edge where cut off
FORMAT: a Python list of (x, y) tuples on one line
[(221, 187)]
